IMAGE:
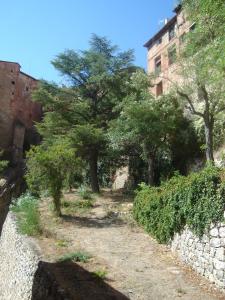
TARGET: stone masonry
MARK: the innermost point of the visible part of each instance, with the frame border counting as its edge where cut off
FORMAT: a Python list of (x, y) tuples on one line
[(206, 255)]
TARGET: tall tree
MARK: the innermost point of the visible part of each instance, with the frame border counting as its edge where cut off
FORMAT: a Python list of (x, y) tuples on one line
[(146, 121), (202, 65), (84, 108)]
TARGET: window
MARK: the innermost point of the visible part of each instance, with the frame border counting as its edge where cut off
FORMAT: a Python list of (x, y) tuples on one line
[(172, 55), (158, 65), (13, 82), (159, 41), (171, 32), (159, 89)]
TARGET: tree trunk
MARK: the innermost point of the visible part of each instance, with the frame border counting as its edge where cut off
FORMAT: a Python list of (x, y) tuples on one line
[(209, 140), (57, 205), (151, 171), (93, 163)]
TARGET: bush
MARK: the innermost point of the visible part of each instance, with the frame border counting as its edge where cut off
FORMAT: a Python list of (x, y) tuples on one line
[(84, 193), (28, 218), (196, 200)]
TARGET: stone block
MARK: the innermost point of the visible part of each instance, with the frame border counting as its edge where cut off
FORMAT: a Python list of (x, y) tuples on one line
[(219, 254), (222, 232), (214, 232), (215, 242)]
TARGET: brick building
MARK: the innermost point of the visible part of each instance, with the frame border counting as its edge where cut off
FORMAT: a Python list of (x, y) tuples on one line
[(17, 112), (163, 48)]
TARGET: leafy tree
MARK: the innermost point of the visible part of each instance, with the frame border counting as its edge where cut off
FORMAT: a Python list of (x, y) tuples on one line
[(203, 64), (146, 121), (48, 166), (84, 108)]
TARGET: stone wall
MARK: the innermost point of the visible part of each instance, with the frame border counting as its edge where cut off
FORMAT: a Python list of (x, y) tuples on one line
[(19, 257), (23, 275), (206, 255)]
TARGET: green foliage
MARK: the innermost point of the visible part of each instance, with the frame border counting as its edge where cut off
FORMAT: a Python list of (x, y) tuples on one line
[(153, 127), (77, 206), (75, 257), (100, 274), (3, 165), (28, 218), (47, 167), (83, 109), (196, 200), (84, 192)]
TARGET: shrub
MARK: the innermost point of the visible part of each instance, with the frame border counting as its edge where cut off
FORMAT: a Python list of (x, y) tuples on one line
[(84, 193), (28, 218), (196, 200), (75, 256)]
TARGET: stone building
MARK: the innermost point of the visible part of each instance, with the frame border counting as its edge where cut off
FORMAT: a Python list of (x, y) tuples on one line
[(17, 111), (163, 48)]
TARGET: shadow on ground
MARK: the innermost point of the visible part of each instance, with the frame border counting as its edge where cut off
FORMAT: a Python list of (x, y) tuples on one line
[(69, 281), (106, 221)]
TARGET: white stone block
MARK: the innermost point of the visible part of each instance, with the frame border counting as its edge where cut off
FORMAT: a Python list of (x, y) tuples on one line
[(215, 242), (214, 232), (222, 232)]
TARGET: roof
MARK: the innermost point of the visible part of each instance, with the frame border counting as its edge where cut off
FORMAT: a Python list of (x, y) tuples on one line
[(9, 62), (161, 32), (25, 74), (177, 8)]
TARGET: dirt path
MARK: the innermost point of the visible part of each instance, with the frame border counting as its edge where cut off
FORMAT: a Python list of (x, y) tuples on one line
[(136, 266)]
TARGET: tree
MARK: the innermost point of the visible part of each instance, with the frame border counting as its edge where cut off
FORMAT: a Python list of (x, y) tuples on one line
[(48, 167), (202, 66), (84, 108), (146, 121)]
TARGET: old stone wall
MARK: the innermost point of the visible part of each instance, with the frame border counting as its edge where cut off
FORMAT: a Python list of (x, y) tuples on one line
[(19, 258), (23, 275), (206, 255)]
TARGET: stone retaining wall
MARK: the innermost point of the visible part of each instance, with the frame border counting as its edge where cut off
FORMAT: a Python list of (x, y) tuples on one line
[(23, 275), (19, 259), (205, 255)]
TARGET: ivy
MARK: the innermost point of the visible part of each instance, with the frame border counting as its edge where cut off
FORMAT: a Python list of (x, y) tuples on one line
[(196, 200)]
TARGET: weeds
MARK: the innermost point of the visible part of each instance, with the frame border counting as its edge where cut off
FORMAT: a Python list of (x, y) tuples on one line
[(61, 243), (75, 257), (79, 206), (28, 218), (100, 274)]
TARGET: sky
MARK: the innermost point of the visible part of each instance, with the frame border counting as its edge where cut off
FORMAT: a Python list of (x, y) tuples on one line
[(33, 32)]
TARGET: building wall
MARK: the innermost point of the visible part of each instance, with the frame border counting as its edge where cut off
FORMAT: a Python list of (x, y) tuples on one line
[(168, 73), (16, 106)]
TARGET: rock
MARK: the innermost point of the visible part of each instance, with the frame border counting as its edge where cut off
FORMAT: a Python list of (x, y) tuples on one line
[(215, 242), (222, 232), (214, 232)]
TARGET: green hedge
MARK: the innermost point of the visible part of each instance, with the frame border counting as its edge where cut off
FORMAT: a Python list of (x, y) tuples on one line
[(196, 200)]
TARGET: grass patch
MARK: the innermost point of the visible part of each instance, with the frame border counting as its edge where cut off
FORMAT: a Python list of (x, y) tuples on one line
[(28, 217), (75, 257), (79, 206), (100, 274), (61, 243)]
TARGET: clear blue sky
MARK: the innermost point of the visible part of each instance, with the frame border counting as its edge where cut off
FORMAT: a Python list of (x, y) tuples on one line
[(32, 32)]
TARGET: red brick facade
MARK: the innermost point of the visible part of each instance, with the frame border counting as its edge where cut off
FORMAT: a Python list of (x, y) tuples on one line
[(17, 111)]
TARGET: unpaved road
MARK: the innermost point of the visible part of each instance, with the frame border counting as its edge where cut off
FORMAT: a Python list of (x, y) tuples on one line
[(137, 266)]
